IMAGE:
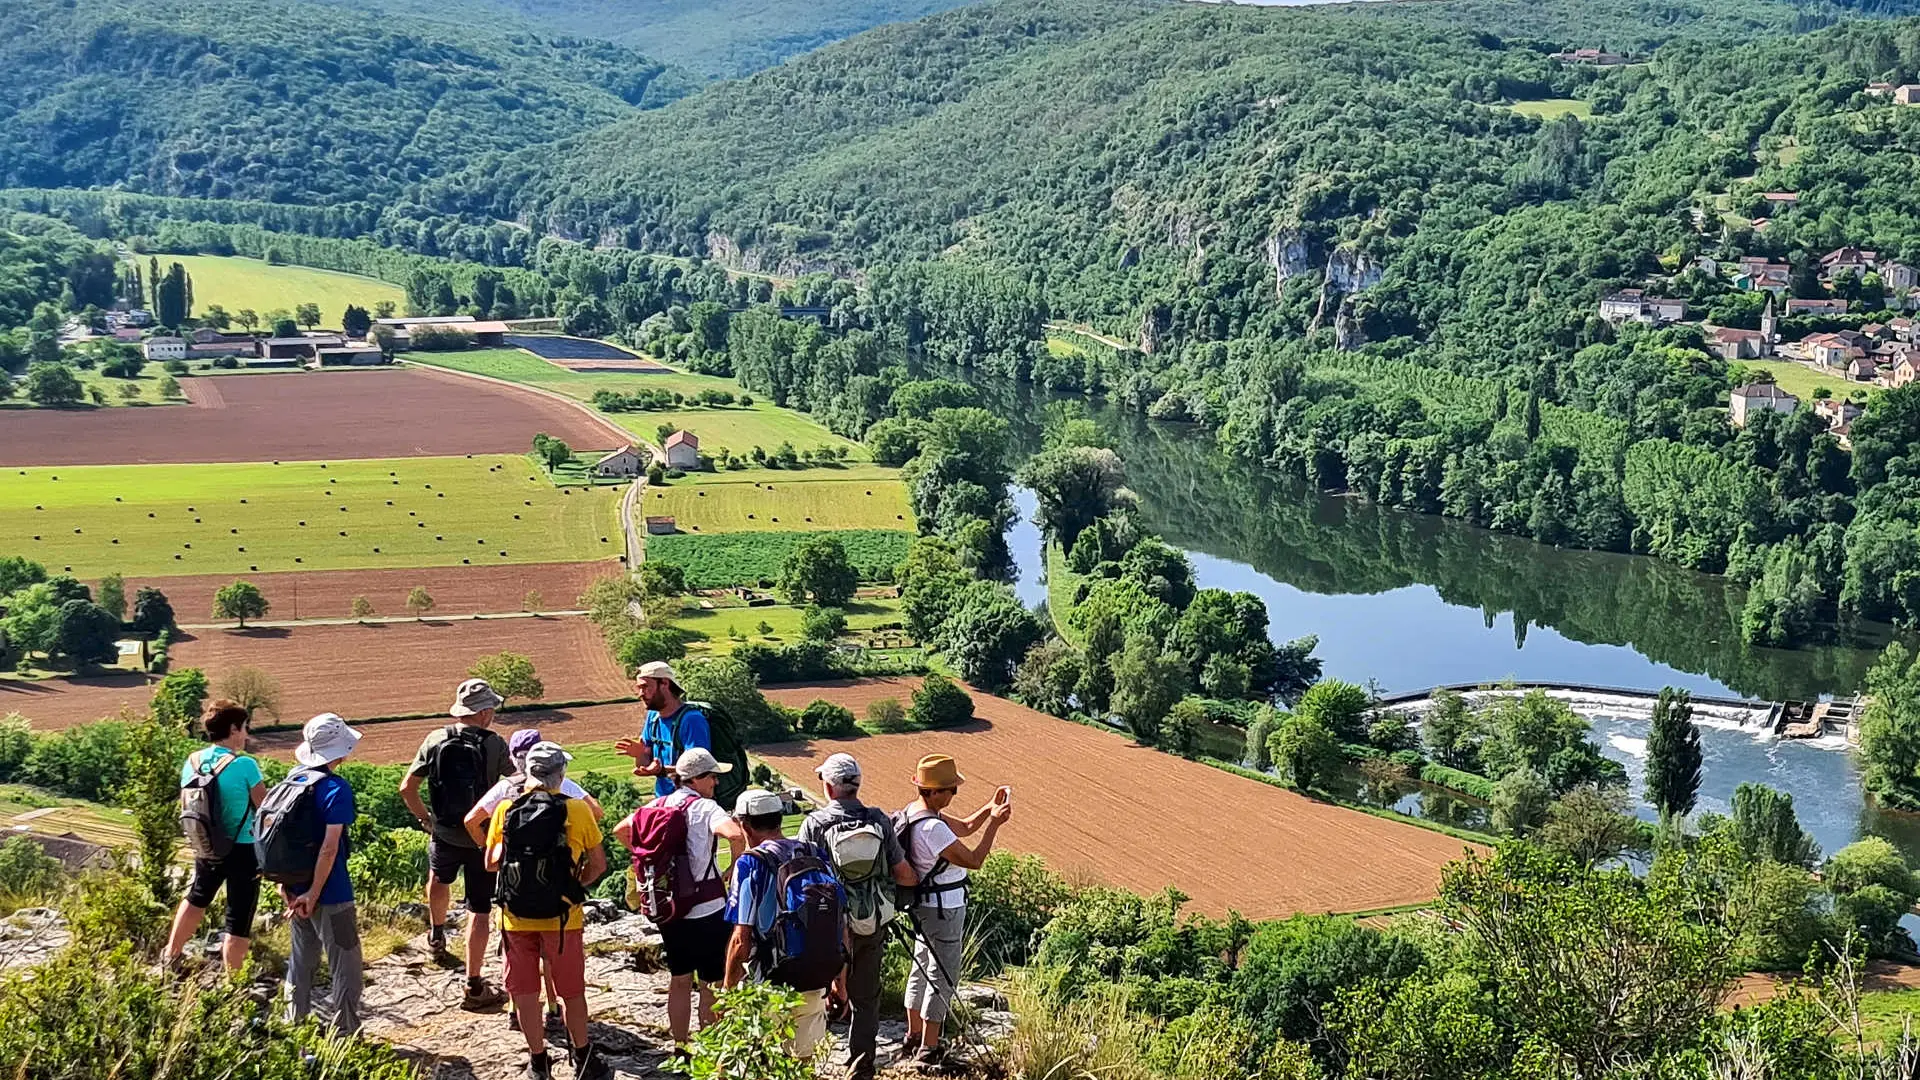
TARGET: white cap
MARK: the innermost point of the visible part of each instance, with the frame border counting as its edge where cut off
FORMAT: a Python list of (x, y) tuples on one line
[(698, 761), (325, 740), (840, 770), (657, 669), (754, 802), (547, 759)]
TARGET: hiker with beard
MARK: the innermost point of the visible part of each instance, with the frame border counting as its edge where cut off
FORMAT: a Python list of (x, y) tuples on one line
[(673, 726)]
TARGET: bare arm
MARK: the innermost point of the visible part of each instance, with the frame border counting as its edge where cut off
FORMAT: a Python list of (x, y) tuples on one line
[(476, 823), (739, 948), (972, 858), (735, 836), (967, 826), (642, 754), (623, 832), (322, 869), (257, 795), (903, 874), (596, 866), (410, 794), (593, 804)]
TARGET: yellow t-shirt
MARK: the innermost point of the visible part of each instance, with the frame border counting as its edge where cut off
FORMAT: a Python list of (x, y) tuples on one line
[(582, 833)]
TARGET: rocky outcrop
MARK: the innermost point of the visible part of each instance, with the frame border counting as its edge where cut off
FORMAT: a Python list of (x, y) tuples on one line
[(31, 935), (1288, 255), (1348, 271)]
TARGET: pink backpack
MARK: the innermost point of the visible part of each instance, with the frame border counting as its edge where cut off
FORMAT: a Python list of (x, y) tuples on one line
[(662, 886)]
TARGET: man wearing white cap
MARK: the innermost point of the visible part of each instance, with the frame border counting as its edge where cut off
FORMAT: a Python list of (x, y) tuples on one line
[(322, 914), (865, 851), (673, 726), (695, 943)]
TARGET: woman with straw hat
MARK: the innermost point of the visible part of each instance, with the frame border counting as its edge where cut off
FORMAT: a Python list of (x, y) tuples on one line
[(939, 912)]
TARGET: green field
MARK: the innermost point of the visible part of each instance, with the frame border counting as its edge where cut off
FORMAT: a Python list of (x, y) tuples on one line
[(1801, 381), (718, 623), (736, 428), (148, 383), (236, 283), (746, 558), (772, 500), (232, 518), (1553, 108)]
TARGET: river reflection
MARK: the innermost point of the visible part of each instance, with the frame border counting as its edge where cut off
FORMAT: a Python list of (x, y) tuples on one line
[(1413, 600)]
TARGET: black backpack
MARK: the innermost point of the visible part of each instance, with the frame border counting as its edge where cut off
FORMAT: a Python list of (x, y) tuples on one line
[(727, 748), (539, 877), (287, 833), (458, 774)]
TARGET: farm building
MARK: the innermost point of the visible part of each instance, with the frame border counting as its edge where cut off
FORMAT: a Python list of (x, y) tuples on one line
[(626, 461), (661, 525), (165, 348), (300, 348), (75, 853), (683, 450), (350, 355), (207, 341)]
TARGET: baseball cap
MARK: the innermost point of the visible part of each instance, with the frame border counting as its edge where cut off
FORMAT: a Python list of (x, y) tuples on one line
[(523, 741), (324, 740), (474, 696), (839, 770), (657, 669), (547, 759), (698, 761), (754, 802)]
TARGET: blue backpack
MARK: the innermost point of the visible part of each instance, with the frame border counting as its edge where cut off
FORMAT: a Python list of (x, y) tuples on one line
[(806, 946)]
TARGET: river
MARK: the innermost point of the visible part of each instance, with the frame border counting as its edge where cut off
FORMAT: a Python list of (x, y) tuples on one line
[(1408, 601)]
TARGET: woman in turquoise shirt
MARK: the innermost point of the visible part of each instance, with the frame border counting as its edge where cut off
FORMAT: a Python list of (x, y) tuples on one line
[(241, 790)]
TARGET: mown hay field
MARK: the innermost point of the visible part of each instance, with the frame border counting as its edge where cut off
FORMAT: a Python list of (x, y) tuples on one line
[(738, 428), (722, 560), (235, 283), (237, 518), (775, 500)]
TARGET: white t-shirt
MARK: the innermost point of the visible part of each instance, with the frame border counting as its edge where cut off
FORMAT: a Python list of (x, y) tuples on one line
[(509, 786), (703, 815), (925, 841)]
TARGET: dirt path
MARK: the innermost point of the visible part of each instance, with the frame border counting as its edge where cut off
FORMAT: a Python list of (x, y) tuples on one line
[(1098, 807)]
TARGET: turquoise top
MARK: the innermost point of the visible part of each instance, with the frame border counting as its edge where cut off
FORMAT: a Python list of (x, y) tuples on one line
[(236, 789)]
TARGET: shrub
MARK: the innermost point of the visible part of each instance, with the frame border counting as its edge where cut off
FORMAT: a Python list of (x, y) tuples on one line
[(749, 1035), (730, 684), (85, 762), (941, 703), (822, 623), (823, 719), (393, 866), (16, 742), (886, 717), (26, 870), (723, 560), (1010, 899), (645, 646)]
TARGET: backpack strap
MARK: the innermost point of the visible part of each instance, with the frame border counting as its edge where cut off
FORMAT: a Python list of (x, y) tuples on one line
[(220, 765), (927, 886)]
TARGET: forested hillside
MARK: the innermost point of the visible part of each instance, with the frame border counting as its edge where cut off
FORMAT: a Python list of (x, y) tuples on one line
[(722, 38), (287, 102)]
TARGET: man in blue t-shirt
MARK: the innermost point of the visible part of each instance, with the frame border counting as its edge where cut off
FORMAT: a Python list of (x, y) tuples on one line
[(323, 915), (673, 727), (753, 906)]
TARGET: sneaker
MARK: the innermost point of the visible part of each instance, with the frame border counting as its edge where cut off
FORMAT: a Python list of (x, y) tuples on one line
[(540, 1067), (482, 996), (588, 1065), (437, 940)]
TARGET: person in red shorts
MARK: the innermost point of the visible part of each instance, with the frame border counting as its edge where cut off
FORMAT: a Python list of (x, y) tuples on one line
[(546, 848)]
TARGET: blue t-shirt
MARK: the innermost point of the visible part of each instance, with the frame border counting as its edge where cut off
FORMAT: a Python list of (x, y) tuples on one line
[(658, 735), (236, 785), (334, 799)]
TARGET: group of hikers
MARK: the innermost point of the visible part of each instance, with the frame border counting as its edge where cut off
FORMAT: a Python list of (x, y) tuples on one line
[(813, 913)]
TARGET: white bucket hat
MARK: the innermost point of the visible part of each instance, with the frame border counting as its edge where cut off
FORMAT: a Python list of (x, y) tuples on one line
[(325, 740)]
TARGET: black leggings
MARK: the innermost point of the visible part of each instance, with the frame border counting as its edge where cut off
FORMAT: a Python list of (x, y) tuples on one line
[(240, 873)]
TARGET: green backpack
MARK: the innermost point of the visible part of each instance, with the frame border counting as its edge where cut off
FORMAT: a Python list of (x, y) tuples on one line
[(728, 749)]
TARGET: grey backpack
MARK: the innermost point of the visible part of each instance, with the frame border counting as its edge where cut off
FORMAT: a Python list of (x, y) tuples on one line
[(201, 819)]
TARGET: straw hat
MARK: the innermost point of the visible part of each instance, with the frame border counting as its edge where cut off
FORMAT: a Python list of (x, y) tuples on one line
[(937, 771)]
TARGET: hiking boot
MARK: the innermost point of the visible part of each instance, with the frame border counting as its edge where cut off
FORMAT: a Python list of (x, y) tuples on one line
[(437, 940), (540, 1066), (482, 996), (588, 1065)]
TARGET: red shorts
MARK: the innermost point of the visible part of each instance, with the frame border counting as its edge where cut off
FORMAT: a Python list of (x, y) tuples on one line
[(566, 957)]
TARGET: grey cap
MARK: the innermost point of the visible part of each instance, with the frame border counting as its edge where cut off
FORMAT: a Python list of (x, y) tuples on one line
[(547, 760), (840, 770), (696, 761), (756, 801), (474, 696)]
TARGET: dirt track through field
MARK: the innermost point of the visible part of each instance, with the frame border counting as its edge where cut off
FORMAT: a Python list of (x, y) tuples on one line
[(328, 594), (1095, 805), (315, 416), (356, 671)]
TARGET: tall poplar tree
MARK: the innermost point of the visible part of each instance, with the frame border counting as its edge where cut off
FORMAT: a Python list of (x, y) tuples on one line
[(1673, 754)]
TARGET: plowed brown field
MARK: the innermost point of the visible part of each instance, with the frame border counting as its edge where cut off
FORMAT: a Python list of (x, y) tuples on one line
[(328, 594), (356, 671), (396, 742), (316, 416), (1094, 804)]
